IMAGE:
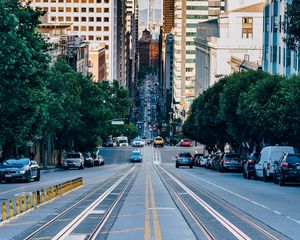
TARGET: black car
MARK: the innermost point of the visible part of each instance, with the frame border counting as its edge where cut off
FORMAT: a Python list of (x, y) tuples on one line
[(249, 165), (230, 162), (287, 169), (19, 169), (88, 159)]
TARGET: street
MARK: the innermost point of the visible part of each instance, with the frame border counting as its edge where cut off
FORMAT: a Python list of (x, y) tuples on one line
[(154, 200)]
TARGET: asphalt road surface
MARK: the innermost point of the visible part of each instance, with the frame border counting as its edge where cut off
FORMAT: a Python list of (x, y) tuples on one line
[(154, 200)]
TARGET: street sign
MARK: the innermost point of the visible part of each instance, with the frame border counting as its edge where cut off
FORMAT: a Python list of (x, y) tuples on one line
[(117, 122)]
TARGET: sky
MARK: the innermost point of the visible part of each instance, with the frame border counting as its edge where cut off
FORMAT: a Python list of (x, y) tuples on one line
[(143, 4)]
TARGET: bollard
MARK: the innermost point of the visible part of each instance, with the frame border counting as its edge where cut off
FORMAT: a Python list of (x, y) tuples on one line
[(34, 199), (50, 193), (38, 194), (47, 195), (23, 204), (28, 201), (42, 196), (4, 217), (18, 208), (11, 208)]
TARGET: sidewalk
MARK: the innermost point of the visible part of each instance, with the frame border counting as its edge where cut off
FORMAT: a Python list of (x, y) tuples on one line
[(50, 169)]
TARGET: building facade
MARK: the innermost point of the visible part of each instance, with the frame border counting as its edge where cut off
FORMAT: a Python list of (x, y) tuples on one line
[(232, 42), (278, 58), (93, 20), (148, 50), (187, 15), (97, 64)]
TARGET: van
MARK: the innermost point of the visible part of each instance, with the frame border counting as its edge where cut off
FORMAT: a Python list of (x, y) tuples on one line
[(264, 168), (122, 141)]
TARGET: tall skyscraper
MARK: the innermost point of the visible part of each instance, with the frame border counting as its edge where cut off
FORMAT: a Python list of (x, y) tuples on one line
[(94, 20), (187, 15), (278, 58)]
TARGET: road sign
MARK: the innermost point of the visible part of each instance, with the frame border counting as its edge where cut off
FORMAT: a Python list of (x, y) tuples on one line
[(117, 122)]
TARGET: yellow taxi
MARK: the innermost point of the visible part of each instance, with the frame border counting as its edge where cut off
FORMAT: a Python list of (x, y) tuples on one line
[(158, 142)]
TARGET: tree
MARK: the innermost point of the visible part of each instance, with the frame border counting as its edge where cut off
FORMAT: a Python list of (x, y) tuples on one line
[(292, 24), (23, 64)]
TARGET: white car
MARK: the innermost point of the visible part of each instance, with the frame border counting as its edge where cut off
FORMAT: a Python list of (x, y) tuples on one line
[(138, 142), (73, 160), (264, 168)]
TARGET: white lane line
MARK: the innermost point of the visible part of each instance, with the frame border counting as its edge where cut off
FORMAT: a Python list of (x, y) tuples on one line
[(65, 232), (242, 197), (239, 234)]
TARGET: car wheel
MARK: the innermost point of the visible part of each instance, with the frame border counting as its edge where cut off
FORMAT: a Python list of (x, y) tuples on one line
[(281, 182), (191, 166), (177, 166), (81, 167)]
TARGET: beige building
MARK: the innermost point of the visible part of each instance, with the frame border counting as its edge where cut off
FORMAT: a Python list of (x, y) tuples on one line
[(97, 64), (92, 20)]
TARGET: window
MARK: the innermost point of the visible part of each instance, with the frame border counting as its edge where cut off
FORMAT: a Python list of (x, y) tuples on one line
[(76, 19), (53, 9), (68, 19), (76, 9), (91, 19), (274, 54), (91, 28), (91, 38), (83, 28), (106, 19), (106, 38), (61, 1), (68, 9), (99, 10), (99, 1), (106, 1), (61, 19), (98, 28), (99, 19), (76, 1), (83, 19), (279, 55), (53, 19), (98, 38), (91, 1), (53, 1), (45, 9), (61, 9), (106, 10), (91, 9), (106, 29), (83, 1), (83, 9), (247, 27), (75, 28)]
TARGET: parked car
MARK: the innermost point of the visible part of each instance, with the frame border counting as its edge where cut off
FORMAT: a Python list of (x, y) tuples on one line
[(185, 143), (99, 159), (230, 162), (108, 143), (197, 157), (215, 160), (19, 169), (249, 165), (73, 160), (184, 159), (264, 168), (88, 160), (202, 161), (136, 156), (208, 163), (158, 142), (137, 142), (287, 169)]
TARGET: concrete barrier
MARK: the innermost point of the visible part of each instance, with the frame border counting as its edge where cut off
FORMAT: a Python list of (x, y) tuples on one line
[(21, 204)]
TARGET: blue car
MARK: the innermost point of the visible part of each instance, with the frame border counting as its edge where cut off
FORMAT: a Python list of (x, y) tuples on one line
[(184, 159), (136, 156)]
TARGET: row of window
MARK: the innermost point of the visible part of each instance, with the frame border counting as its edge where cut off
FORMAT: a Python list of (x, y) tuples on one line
[(96, 38), (90, 28), (78, 19), (68, 1), (77, 10)]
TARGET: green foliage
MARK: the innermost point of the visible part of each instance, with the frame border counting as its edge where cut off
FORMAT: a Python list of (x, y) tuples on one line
[(23, 67), (252, 107), (292, 24)]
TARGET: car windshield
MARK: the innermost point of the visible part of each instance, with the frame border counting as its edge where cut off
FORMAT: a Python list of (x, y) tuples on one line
[(185, 140), (73, 155), (233, 157), (135, 154), (158, 138), (185, 155), (293, 159), (16, 162), (138, 139), (122, 141)]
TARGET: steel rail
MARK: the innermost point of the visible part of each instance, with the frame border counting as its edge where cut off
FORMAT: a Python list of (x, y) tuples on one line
[(41, 228), (233, 211), (220, 218)]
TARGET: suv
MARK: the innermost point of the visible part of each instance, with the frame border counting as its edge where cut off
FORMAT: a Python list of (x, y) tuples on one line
[(184, 159), (230, 162), (158, 142), (287, 169), (74, 160)]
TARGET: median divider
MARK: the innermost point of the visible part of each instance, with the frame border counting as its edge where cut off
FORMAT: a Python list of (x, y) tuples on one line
[(29, 201)]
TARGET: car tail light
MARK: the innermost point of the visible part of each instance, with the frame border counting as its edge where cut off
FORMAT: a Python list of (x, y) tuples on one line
[(284, 164), (268, 166), (225, 160), (251, 161)]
